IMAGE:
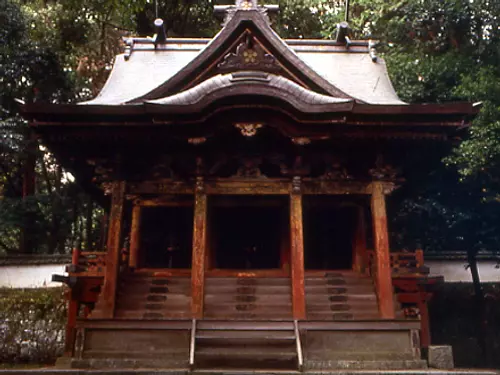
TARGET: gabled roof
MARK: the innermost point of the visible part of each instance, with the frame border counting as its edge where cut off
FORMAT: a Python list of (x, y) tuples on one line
[(328, 68)]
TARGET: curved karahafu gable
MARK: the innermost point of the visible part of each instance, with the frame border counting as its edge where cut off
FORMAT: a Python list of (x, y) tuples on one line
[(251, 83), (329, 68)]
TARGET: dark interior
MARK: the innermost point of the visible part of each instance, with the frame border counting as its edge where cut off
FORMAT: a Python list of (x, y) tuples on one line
[(328, 234), (247, 232), (166, 237)]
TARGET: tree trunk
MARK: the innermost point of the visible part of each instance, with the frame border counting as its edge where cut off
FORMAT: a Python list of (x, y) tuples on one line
[(27, 237)]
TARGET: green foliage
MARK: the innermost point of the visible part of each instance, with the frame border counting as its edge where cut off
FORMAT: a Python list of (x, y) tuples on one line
[(31, 325)]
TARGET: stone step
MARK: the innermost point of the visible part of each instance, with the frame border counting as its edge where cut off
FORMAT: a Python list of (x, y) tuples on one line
[(231, 353), (247, 289), (337, 298), (213, 311), (248, 315), (256, 298), (156, 279), (338, 281), (153, 297), (339, 289), (245, 335), (343, 315), (243, 281), (146, 288), (166, 314)]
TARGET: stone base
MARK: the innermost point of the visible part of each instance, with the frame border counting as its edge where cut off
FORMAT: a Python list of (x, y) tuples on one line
[(48, 371), (328, 366), (440, 356)]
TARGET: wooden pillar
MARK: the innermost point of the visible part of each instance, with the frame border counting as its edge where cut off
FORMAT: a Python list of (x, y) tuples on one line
[(199, 249), (108, 294), (135, 236), (297, 252), (359, 261), (69, 341), (383, 278), (425, 330)]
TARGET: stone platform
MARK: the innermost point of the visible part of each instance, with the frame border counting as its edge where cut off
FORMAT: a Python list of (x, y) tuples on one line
[(52, 371)]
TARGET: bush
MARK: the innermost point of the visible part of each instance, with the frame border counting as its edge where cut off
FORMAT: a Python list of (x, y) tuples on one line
[(32, 325)]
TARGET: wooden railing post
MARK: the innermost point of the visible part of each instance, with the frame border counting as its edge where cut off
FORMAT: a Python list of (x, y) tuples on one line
[(297, 251), (113, 256), (383, 278), (135, 236), (199, 250)]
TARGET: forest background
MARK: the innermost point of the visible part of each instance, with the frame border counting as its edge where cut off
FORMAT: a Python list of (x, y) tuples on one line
[(436, 51)]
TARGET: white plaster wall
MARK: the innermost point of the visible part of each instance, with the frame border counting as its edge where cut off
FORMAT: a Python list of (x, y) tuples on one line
[(454, 270), (35, 276)]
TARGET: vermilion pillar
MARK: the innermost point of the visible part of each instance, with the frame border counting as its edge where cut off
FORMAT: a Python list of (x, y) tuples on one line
[(383, 277), (108, 294), (199, 251), (297, 252), (135, 236)]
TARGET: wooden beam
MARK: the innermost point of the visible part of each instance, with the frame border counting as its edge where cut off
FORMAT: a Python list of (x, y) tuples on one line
[(108, 294), (135, 237), (359, 246), (297, 255), (383, 277), (199, 249)]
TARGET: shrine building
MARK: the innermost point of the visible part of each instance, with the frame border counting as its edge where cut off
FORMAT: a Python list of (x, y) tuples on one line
[(245, 179)]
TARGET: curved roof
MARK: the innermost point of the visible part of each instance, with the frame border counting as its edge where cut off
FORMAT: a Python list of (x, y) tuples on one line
[(355, 74), (325, 67)]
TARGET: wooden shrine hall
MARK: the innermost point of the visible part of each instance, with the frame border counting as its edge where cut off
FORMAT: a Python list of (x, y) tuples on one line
[(245, 179)]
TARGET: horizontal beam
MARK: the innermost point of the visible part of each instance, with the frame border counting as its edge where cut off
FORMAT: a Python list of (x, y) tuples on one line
[(250, 187)]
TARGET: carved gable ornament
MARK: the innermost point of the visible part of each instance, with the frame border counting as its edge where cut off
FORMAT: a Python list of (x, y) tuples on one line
[(246, 4), (249, 57)]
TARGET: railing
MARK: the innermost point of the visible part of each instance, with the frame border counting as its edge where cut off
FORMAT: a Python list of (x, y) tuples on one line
[(300, 359), (402, 262), (87, 263), (192, 346)]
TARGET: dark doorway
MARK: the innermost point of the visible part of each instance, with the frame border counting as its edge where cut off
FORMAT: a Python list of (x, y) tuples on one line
[(247, 232), (328, 233), (166, 237)]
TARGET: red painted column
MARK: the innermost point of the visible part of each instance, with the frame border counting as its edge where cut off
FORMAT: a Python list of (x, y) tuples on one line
[(383, 277), (108, 294), (199, 252), (297, 252), (135, 237)]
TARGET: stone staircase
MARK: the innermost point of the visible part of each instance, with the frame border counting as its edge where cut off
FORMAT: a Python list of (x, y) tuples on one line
[(233, 298), (342, 295), (243, 345), (145, 296)]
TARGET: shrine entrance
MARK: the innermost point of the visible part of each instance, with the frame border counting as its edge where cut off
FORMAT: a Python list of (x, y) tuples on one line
[(166, 237), (329, 229), (247, 232)]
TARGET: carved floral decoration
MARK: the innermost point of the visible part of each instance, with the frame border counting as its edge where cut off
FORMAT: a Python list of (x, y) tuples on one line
[(246, 4), (248, 129), (249, 168), (249, 55), (334, 171)]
